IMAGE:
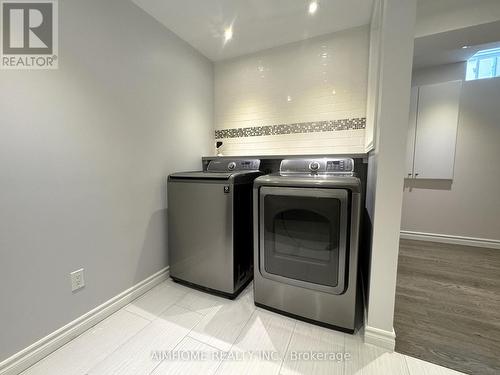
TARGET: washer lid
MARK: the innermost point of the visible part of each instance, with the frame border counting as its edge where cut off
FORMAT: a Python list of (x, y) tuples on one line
[(223, 169), (201, 175)]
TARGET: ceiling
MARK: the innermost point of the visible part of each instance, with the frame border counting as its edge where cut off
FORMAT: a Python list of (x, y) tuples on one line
[(446, 47), (256, 24)]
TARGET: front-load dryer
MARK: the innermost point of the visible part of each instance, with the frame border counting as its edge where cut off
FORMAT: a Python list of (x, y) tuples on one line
[(306, 229)]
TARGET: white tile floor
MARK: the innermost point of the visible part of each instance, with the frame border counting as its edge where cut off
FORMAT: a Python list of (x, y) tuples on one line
[(176, 330)]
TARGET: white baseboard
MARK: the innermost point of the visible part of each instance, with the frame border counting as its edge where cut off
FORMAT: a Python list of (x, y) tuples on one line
[(456, 240), (381, 338), (40, 349)]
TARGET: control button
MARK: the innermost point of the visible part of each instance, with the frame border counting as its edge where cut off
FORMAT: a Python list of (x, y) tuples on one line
[(314, 166), (231, 166)]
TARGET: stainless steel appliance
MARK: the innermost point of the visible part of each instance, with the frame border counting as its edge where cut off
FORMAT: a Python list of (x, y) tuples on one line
[(210, 231), (307, 220)]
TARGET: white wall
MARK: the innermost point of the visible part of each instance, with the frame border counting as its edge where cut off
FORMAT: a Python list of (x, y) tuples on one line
[(320, 79), (387, 164), (468, 206), (373, 84), (84, 151), (439, 73), (437, 16)]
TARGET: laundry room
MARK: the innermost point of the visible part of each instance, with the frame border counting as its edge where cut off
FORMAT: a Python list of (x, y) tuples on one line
[(249, 186)]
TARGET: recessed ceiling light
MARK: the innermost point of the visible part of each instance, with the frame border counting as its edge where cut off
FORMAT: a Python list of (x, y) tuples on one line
[(288, 98), (465, 47), (334, 92), (313, 7), (228, 34)]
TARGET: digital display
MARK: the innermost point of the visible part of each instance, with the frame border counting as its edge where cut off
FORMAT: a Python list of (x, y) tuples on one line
[(338, 165)]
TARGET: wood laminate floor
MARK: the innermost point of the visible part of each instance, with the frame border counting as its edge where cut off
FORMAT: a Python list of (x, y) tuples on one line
[(176, 330), (448, 306)]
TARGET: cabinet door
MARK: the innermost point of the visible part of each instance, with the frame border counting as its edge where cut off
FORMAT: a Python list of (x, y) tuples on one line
[(412, 128), (437, 124)]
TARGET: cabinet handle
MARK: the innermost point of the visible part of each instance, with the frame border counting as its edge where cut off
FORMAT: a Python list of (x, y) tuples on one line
[(409, 174), (416, 174)]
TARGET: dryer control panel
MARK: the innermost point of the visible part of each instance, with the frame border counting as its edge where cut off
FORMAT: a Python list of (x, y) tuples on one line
[(340, 165), (317, 166)]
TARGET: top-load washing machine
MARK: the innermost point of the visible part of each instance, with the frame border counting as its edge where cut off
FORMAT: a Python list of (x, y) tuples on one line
[(306, 229), (210, 231)]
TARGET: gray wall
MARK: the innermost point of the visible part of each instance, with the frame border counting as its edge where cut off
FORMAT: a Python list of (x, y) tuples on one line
[(470, 205), (84, 152)]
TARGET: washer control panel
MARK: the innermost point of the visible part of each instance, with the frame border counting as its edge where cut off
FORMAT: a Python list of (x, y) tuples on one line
[(235, 165), (317, 166)]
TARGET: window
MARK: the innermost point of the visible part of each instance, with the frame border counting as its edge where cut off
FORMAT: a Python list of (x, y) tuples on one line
[(484, 64)]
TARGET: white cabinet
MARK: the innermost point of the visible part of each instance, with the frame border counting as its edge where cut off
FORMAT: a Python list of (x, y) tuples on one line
[(432, 130)]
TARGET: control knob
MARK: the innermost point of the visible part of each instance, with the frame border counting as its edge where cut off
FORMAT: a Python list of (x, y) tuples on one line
[(314, 166)]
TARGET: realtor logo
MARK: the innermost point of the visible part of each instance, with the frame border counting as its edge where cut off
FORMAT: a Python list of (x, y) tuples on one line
[(29, 34)]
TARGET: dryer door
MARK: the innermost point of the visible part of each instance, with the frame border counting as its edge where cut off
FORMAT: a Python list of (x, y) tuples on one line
[(303, 237)]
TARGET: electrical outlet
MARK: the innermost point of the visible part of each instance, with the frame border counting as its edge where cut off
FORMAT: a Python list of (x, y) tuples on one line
[(77, 280)]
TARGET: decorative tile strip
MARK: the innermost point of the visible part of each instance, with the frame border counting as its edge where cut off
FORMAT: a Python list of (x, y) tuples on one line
[(303, 127)]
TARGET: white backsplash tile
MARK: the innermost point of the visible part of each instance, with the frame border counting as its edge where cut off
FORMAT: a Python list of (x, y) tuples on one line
[(320, 79)]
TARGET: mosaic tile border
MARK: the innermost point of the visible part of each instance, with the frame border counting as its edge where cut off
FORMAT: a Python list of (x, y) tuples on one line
[(303, 127)]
